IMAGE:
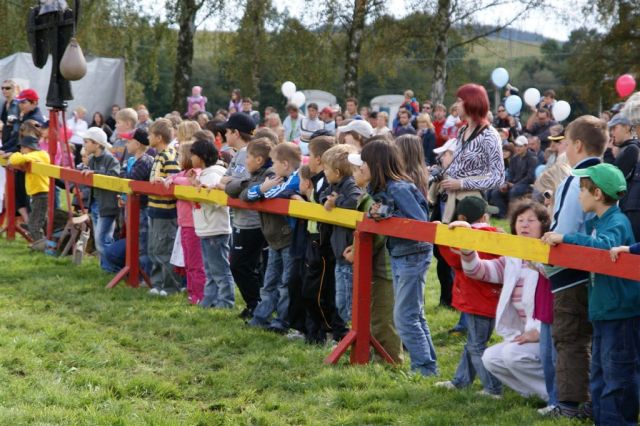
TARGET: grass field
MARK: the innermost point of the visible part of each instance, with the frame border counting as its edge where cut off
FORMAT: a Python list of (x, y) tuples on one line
[(74, 353)]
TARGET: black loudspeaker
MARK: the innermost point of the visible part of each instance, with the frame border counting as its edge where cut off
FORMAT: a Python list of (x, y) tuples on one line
[(50, 27)]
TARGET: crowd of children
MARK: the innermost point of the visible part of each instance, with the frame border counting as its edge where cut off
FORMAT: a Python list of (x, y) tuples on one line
[(567, 337)]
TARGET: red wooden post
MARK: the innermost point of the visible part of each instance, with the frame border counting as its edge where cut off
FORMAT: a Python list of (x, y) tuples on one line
[(360, 334), (53, 144), (132, 256), (10, 195)]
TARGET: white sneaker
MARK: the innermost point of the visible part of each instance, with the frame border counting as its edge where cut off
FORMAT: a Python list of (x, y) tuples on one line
[(490, 395), (163, 293), (154, 291), (295, 335), (546, 410), (446, 385)]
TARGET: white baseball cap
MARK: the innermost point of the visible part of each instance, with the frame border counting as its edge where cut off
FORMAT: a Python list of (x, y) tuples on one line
[(355, 159), (449, 145), (361, 127), (97, 135), (522, 140)]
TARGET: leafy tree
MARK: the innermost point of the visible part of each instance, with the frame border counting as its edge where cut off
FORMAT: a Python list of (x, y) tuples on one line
[(185, 13)]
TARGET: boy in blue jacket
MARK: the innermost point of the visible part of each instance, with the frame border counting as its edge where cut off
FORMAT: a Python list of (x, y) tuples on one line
[(614, 303)]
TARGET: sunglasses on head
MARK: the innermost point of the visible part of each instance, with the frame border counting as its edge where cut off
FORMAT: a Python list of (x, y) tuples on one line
[(547, 194)]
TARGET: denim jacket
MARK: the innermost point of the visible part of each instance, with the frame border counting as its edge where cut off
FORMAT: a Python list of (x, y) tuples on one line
[(406, 202)]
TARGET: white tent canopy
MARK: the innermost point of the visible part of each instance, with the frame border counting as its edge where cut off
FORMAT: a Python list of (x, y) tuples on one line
[(102, 87), (319, 97), (389, 104)]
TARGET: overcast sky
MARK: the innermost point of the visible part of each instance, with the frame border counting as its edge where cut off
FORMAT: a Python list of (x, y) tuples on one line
[(548, 23)]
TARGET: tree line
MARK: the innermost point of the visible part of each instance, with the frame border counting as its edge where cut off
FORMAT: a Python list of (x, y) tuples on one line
[(347, 47)]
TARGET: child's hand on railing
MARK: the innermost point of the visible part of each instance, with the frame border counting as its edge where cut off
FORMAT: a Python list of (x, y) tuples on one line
[(349, 253), (86, 172), (615, 252), (330, 204), (552, 238), (459, 224)]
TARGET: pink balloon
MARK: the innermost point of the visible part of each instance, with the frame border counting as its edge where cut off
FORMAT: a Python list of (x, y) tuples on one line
[(625, 85)]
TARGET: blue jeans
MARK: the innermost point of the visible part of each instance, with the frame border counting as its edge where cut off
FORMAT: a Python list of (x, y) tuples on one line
[(344, 290), (548, 357), (103, 227), (274, 294), (615, 371), (219, 290), (408, 312), (479, 331)]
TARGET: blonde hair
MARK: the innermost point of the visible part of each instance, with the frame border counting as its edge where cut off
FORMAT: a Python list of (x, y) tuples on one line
[(186, 130), (426, 118), (408, 93), (80, 110), (129, 115), (30, 128), (184, 155), (551, 177), (336, 158), (162, 128), (289, 152), (383, 114)]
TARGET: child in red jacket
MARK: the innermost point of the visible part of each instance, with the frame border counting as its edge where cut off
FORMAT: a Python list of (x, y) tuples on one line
[(477, 300)]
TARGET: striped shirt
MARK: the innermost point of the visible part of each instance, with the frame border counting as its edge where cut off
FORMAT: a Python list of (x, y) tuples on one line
[(164, 165), (479, 163)]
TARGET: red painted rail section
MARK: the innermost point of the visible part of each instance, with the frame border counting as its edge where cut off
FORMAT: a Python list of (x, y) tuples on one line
[(359, 339)]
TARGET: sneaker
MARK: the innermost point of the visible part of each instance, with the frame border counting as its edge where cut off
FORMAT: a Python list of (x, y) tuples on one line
[(586, 411), (154, 292), (544, 411), (446, 385), (483, 392), (277, 330), (163, 293), (295, 335), (246, 314), (564, 411)]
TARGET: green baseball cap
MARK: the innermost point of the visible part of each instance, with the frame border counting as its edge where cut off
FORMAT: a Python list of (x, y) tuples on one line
[(473, 208), (607, 177)]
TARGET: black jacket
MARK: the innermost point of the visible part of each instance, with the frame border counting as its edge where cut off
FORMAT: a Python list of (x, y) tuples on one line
[(348, 196), (522, 170)]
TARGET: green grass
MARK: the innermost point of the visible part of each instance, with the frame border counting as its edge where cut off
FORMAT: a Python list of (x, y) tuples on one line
[(72, 352)]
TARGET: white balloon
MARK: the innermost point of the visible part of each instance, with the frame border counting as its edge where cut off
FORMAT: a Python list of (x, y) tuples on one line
[(561, 110), (532, 96), (298, 99), (288, 89)]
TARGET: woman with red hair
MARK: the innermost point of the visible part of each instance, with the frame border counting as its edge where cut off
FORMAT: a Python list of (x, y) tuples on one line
[(477, 165)]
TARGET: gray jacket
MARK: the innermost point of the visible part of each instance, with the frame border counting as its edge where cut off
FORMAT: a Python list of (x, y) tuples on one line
[(275, 228), (242, 219), (106, 164)]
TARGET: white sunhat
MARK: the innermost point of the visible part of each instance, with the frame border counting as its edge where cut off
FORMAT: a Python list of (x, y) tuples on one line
[(97, 135), (449, 145), (522, 140), (355, 159), (361, 127)]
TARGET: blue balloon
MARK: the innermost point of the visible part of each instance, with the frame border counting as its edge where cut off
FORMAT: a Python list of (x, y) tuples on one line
[(500, 77), (513, 104)]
